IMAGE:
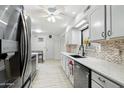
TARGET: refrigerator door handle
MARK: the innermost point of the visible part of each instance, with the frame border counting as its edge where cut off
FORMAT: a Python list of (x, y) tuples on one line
[(27, 56), (25, 45)]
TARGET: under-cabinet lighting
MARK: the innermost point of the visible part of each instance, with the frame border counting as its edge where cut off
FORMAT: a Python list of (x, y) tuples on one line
[(82, 22)]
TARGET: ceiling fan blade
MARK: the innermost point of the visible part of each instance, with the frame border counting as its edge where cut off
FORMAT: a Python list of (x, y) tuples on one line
[(58, 11), (45, 9), (58, 17), (44, 15)]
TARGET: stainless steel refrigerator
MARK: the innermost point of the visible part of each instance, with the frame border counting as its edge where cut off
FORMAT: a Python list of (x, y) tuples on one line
[(15, 56)]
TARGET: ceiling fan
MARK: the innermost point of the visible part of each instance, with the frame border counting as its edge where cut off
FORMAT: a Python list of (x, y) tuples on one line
[(52, 12)]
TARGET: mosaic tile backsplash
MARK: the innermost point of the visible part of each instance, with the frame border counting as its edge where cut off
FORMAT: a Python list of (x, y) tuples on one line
[(110, 50)]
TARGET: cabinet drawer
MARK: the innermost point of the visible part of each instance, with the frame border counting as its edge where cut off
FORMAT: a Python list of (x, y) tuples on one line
[(103, 81), (95, 85)]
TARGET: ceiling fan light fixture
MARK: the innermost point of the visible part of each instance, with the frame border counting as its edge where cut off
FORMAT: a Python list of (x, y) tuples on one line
[(52, 9), (53, 19), (52, 13), (49, 19)]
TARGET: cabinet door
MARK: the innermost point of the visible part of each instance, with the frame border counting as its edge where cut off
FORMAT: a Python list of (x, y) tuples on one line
[(117, 19), (73, 37), (103, 81), (63, 62), (97, 23), (68, 37)]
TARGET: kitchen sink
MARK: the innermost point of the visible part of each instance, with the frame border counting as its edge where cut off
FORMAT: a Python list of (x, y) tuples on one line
[(77, 56)]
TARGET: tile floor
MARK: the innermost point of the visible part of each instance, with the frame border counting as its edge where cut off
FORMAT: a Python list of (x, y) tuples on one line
[(50, 75)]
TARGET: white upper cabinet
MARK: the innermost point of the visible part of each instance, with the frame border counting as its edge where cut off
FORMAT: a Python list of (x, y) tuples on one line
[(97, 23), (117, 20), (73, 36), (106, 22)]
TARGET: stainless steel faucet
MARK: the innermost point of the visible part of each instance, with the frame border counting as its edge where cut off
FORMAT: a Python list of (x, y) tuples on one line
[(81, 49)]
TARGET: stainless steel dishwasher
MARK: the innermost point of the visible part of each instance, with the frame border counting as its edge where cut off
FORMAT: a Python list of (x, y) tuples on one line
[(81, 76)]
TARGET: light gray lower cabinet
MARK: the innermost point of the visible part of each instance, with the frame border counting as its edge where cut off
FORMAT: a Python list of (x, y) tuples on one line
[(95, 85), (63, 62), (100, 81)]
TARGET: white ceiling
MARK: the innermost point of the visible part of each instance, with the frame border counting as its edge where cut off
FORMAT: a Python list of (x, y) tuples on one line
[(39, 22)]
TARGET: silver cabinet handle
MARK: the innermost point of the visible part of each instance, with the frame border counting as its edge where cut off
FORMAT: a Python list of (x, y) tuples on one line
[(103, 81), (109, 33), (103, 34)]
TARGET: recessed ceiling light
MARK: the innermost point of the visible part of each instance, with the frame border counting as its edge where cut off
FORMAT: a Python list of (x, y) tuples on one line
[(38, 31)]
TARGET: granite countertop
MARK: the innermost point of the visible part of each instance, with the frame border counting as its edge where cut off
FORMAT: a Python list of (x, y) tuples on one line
[(112, 71)]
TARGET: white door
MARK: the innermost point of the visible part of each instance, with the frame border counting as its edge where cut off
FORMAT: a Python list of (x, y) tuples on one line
[(49, 48)]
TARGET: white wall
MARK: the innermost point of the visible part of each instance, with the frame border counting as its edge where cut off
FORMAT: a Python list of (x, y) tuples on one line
[(76, 36), (36, 45), (50, 46)]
